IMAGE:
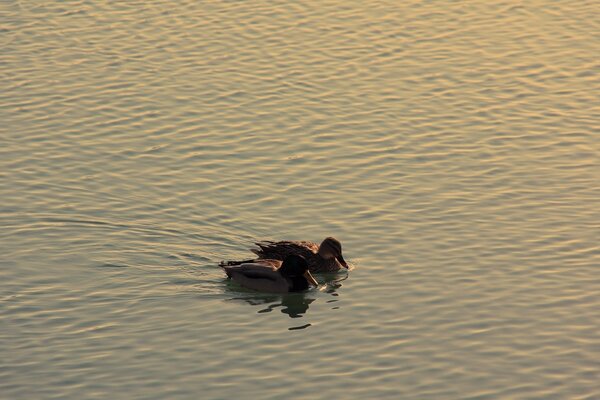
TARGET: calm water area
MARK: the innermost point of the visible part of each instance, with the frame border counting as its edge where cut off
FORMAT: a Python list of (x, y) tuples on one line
[(452, 147)]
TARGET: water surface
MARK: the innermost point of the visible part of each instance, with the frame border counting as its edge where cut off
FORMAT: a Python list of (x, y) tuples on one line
[(452, 147)]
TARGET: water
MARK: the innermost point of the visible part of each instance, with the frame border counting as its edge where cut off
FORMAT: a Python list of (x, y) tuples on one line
[(453, 148)]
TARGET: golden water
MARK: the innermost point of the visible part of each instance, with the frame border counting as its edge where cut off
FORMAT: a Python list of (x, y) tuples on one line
[(452, 147)]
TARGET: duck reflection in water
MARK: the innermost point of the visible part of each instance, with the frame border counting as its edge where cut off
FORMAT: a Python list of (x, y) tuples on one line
[(295, 305)]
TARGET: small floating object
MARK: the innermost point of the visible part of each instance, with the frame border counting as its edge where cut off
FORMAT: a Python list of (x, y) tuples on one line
[(273, 276)]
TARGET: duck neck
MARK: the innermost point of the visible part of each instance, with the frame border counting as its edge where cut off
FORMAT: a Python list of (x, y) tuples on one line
[(297, 283), (322, 256)]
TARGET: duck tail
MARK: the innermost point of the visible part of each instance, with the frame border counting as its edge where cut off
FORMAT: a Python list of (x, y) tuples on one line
[(263, 248)]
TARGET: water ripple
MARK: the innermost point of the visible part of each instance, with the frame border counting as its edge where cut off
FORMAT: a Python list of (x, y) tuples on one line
[(451, 147)]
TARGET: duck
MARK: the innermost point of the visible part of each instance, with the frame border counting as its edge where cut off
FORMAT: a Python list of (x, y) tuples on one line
[(326, 257), (273, 276)]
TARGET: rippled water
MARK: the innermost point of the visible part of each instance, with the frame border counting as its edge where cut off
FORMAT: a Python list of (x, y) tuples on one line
[(452, 147)]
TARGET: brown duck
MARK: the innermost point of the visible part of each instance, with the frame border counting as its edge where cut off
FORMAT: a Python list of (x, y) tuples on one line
[(326, 257)]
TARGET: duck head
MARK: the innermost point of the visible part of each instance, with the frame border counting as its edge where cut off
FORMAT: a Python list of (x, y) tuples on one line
[(295, 269), (332, 248)]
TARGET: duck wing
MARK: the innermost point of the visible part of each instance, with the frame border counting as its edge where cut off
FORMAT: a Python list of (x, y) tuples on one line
[(280, 250), (266, 267), (261, 276), (275, 264)]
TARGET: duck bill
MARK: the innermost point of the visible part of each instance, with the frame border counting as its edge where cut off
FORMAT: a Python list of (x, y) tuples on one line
[(342, 261), (310, 278)]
